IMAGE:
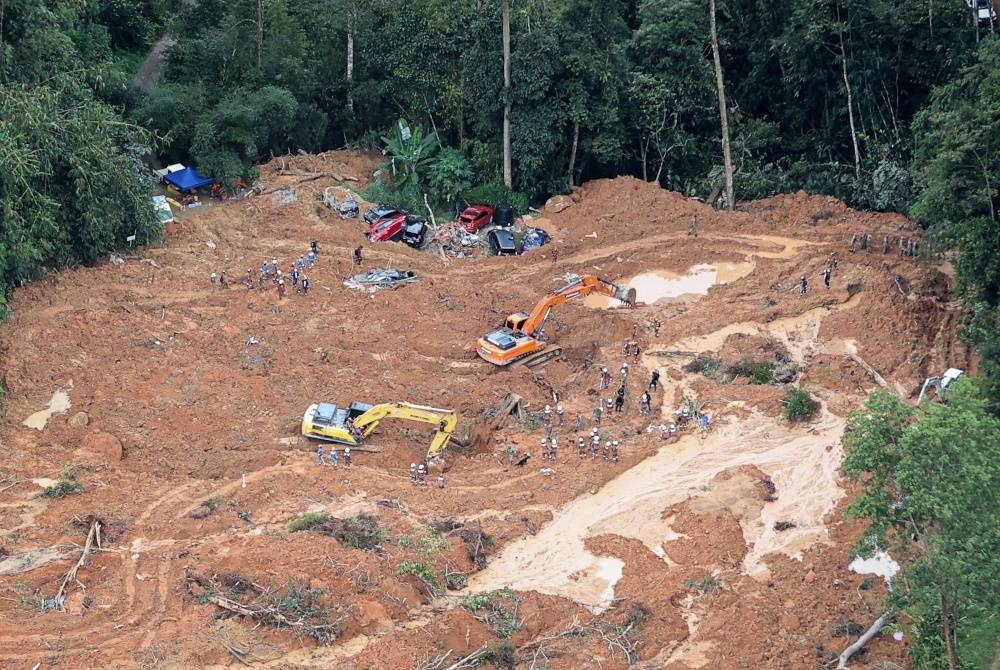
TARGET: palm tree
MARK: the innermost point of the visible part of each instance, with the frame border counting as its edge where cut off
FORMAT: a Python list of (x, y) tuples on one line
[(411, 153)]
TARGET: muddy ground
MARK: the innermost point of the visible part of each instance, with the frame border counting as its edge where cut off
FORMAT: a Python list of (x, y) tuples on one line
[(182, 430)]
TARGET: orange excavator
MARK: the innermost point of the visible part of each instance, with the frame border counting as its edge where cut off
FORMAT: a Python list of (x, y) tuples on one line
[(521, 340)]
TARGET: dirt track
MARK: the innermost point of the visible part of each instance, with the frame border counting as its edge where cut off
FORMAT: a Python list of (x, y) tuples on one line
[(179, 407)]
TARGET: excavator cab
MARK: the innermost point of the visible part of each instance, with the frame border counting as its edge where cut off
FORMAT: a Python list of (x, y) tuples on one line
[(515, 322)]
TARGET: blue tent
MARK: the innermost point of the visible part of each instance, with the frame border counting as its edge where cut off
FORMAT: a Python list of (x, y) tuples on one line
[(187, 179)]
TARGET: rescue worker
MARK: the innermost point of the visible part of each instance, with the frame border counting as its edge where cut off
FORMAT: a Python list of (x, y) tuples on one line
[(305, 285), (803, 285), (656, 327), (560, 411), (223, 282), (553, 449), (311, 259), (654, 380), (295, 278), (902, 245), (624, 372), (885, 244), (610, 405), (547, 415), (358, 258), (579, 423), (619, 400), (868, 243), (605, 379), (693, 228), (314, 248), (832, 260), (302, 262), (249, 280), (614, 451), (581, 447), (511, 454), (545, 449), (598, 411), (854, 242), (413, 473), (703, 421), (644, 404), (440, 481), (272, 268), (319, 455), (212, 278), (281, 289), (347, 458), (636, 352), (826, 275), (595, 447), (334, 457), (422, 474)]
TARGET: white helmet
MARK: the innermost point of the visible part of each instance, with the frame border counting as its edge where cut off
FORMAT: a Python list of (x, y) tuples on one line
[(347, 450), (581, 440), (548, 408), (422, 467), (604, 369), (559, 407), (614, 443), (544, 441), (624, 365), (413, 466)]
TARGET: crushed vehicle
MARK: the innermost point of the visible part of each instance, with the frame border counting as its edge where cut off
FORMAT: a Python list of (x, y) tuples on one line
[(406, 228), (534, 238), (382, 211), (381, 278)]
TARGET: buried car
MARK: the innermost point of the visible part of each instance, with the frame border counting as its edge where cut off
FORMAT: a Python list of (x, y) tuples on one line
[(406, 228), (502, 242), (534, 238), (379, 212)]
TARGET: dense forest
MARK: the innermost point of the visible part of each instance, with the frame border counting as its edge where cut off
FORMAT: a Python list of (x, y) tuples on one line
[(889, 106)]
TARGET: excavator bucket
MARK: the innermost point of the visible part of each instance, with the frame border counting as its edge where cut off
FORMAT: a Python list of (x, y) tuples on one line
[(626, 294)]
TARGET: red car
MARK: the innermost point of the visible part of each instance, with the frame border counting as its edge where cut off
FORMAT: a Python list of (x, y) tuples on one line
[(475, 217), (406, 227)]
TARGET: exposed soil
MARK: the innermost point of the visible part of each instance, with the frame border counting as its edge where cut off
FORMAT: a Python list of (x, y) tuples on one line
[(183, 431)]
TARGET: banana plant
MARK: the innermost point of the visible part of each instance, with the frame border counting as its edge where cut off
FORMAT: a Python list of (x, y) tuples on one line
[(411, 153)]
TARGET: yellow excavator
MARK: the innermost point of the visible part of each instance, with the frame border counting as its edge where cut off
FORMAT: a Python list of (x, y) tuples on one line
[(352, 424)]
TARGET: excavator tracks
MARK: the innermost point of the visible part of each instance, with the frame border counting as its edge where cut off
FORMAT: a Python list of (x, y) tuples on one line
[(538, 358)]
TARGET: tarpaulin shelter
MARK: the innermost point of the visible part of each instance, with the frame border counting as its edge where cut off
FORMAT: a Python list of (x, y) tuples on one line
[(187, 179)]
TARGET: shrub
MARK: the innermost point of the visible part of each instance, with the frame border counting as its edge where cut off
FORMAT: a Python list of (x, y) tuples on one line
[(799, 405), (741, 368), (424, 539), (763, 373), (65, 487), (361, 532), (307, 521), (705, 585), (421, 571), (494, 193), (705, 365), (498, 609)]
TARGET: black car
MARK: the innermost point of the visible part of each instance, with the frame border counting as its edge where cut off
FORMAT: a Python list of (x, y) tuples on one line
[(382, 211), (415, 231), (502, 242)]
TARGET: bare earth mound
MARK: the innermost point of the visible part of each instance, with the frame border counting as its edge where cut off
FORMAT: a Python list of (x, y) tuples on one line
[(180, 436)]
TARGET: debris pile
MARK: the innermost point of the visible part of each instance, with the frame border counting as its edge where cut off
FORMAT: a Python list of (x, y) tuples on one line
[(374, 280), (455, 241)]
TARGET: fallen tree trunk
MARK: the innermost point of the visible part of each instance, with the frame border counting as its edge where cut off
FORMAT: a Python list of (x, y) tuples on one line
[(309, 176), (94, 536), (862, 641)]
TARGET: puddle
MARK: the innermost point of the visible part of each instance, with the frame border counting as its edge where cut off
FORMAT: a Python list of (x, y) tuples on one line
[(880, 564), (59, 404), (651, 287)]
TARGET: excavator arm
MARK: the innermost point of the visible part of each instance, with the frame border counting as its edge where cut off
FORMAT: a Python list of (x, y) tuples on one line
[(581, 286), (445, 419)]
